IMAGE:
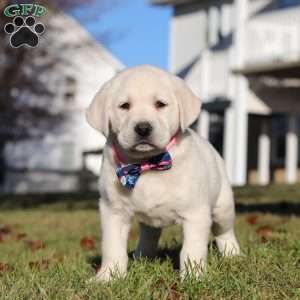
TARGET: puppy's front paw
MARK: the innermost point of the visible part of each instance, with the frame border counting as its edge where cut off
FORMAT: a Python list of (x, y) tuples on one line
[(194, 270), (101, 276), (106, 274)]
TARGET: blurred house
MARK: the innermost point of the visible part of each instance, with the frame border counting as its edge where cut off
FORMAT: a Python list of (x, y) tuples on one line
[(242, 58), (68, 159)]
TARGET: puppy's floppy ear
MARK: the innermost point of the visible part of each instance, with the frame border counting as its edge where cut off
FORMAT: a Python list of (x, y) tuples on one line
[(189, 104), (97, 114)]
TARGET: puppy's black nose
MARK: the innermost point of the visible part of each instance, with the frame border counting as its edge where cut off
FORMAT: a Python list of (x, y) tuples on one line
[(143, 129)]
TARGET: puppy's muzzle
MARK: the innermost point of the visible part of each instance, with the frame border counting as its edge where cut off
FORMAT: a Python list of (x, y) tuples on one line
[(143, 129)]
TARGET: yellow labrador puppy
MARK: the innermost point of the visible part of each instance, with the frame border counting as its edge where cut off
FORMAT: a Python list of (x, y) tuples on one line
[(158, 170)]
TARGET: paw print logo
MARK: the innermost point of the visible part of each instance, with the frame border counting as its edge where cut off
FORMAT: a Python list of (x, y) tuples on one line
[(24, 31)]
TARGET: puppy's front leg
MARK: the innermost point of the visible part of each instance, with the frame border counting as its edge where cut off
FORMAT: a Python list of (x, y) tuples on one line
[(115, 228), (195, 242)]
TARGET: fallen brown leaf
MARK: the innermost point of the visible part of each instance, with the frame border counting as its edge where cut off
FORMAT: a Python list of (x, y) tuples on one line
[(34, 245), (87, 243), (173, 293), (265, 232), (39, 265), (251, 219), (5, 267), (6, 229), (20, 236)]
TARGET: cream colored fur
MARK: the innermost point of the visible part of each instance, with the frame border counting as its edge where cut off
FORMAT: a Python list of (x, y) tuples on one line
[(194, 193)]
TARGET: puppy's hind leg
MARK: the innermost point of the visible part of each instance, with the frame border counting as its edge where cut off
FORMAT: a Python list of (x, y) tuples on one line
[(149, 237), (223, 223)]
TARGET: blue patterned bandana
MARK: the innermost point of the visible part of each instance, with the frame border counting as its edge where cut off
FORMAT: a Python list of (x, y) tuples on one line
[(128, 174)]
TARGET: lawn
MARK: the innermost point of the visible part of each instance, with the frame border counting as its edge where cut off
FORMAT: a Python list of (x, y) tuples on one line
[(49, 252)]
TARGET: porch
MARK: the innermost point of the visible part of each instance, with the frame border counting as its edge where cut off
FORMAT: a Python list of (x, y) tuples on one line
[(271, 146)]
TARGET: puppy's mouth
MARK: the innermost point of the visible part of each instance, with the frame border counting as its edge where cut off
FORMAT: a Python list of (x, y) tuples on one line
[(143, 147)]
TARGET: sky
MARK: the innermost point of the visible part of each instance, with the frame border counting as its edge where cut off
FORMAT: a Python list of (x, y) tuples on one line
[(138, 32)]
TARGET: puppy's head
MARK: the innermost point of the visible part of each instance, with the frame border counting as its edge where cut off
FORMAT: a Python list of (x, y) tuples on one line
[(142, 108)]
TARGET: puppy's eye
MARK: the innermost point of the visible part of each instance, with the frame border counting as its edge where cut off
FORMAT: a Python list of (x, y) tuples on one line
[(159, 104), (125, 106)]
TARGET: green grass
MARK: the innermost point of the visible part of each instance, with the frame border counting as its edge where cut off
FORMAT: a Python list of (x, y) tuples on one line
[(269, 268)]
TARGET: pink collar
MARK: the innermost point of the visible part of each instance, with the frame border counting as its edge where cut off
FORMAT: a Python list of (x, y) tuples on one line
[(144, 165)]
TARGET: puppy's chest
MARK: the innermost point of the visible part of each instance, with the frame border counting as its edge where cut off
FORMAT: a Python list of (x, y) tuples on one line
[(157, 199)]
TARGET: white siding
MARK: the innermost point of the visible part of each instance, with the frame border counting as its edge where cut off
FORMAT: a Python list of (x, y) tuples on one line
[(188, 36)]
